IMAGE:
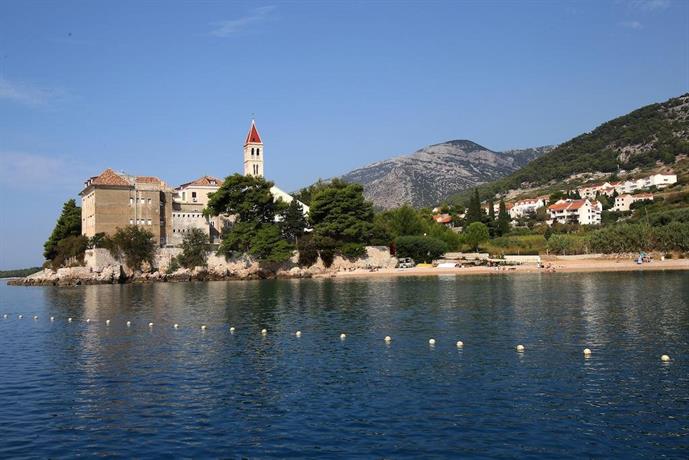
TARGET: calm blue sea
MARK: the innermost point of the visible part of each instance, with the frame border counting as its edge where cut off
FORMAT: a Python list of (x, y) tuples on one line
[(95, 390)]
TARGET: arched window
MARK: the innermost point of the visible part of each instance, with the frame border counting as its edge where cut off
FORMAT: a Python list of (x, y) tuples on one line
[(258, 152), (252, 151)]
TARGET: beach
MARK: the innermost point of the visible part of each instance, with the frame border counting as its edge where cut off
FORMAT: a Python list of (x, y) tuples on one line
[(558, 265)]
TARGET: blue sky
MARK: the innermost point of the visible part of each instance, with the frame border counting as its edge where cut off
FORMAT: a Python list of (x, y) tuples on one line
[(168, 88)]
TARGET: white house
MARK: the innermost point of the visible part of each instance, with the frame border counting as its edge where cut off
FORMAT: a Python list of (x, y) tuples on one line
[(527, 206), (624, 202), (584, 212), (656, 180)]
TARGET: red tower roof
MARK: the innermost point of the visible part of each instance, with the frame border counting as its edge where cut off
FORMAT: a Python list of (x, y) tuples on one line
[(253, 136)]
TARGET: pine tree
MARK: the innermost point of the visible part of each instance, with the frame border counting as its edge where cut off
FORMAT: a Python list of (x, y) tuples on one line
[(293, 222), (68, 224)]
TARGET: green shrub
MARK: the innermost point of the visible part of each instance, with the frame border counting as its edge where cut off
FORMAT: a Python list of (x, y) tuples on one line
[(135, 244), (420, 248), (353, 250), (622, 238), (173, 267), (195, 247), (308, 252), (69, 251), (568, 244)]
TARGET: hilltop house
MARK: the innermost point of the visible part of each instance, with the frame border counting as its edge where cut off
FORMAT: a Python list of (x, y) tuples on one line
[(659, 181), (624, 202), (584, 212), (114, 200)]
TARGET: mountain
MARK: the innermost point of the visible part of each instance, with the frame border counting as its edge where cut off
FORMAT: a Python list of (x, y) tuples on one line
[(646, 138), (430, 175)]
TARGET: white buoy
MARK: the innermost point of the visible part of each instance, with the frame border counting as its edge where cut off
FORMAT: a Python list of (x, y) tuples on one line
[(388, 339), (232, 330), (52, 318), (520, 348), (203, 327), (587, 352), (35, 317), (69, 320), (431, 342), (176, 326), (665, 358), (88, 320), (460, 344), (264, 331), (343, 336), (20, 316), (5, 316), (129, 323), (150, 324), (298, 333), (107, 322)]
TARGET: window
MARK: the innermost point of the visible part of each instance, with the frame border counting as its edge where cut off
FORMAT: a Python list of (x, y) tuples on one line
[(131, 201), (149, 222), (131, 221), (149, 201), (258, 152)]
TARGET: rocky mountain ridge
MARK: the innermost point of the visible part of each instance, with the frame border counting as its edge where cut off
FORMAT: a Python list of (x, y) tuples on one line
[(433, 173)]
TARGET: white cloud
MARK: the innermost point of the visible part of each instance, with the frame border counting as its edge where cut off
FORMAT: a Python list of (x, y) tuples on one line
[(233, 26), (31, 171), (26, 94), (650, 5), (636, 25)]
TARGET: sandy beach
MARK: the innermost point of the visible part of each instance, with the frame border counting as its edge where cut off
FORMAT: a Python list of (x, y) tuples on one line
[(559, 266)]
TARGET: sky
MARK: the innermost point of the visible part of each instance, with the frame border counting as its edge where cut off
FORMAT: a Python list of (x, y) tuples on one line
[(169, 88)]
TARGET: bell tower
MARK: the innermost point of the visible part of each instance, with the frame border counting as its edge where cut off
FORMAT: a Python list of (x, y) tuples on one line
[(253, 153)]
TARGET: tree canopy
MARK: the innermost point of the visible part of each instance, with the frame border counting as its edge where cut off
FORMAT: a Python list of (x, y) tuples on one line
[(342, 219), (255, 230), (475, 234), (68, 224)]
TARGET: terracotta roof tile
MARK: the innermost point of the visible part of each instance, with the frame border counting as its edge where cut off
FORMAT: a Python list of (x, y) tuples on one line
[(147, 180), (443, 218), (108, 177)]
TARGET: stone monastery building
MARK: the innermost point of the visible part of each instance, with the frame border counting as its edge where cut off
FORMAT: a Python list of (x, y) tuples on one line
[(114, 200)]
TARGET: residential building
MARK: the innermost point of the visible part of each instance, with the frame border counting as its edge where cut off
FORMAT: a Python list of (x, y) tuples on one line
[(584, 212), (187, 210), (526, 207), (659, 181), (496, 207), (624, 202), (113, 200), (444, 219)]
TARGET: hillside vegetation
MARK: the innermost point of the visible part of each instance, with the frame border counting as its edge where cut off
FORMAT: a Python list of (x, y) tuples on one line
[(653, 134)]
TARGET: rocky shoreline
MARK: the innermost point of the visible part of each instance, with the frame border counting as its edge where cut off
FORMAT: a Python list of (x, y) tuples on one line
[(77, 276), (100, 268)]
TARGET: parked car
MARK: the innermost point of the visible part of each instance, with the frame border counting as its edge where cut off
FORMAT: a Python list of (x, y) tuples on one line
[(405, 262)]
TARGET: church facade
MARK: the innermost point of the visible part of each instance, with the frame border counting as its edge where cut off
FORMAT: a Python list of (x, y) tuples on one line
[(114, 200)]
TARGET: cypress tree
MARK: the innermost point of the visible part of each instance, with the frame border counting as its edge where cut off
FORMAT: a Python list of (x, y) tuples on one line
[(503, 220)]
